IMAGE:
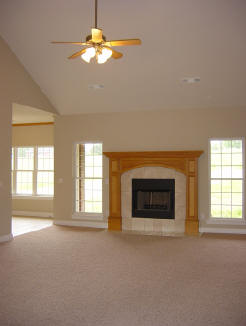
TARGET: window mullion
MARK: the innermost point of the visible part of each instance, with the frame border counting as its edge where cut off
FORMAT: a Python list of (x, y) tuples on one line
[(14, 170), (34, 178)]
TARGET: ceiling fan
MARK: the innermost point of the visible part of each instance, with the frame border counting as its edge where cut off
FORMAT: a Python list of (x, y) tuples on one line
[(96, 45)]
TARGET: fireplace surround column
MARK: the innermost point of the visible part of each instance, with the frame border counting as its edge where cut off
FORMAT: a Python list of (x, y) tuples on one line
[(115, 219), (182, 161)]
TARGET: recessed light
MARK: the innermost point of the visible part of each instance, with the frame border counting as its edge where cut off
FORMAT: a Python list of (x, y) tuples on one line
[(190, 80), (95, 86)]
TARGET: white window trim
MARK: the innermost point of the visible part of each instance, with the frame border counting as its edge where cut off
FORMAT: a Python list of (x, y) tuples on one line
[(221, 220), (34, 195), (27, 197), (85, 215)]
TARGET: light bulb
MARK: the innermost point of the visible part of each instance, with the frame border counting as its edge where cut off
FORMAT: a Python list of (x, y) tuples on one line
[(89, 53), (104, 55)]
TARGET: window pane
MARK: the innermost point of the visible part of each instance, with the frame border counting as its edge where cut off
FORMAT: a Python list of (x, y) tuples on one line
[(24, 183), (215, 185), (237, 146), (226, 172), (97, 195), (88, 184), (226, 185), (88, 207), (215, 210), (89, 161), (216, 198), (216, 172), (89, 172), (237, 212), (88, 194), (88, 149), (97, 207), (226, 146), (25, 159), (237, 159), (97, 172), (215, 159), (226, 211), (215, 146), (98, 160), (226, 159), (45, 158), (237, 171), (226, 198), (237, 185), (97, 149), (45, 183), (97, 184), (237, 198)]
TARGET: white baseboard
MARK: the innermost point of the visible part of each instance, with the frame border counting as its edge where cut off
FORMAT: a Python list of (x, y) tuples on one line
[(7, 237), (32, 214), (220, 230), (90, 224)]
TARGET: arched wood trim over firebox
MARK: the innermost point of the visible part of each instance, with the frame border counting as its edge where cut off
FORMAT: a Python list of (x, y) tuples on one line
[(182, 161)]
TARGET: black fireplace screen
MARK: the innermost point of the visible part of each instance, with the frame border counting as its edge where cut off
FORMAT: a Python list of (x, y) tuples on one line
[(153, 198)]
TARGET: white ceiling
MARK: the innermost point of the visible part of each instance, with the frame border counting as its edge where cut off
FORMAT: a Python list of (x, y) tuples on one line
[(26, 114), (180, 38)]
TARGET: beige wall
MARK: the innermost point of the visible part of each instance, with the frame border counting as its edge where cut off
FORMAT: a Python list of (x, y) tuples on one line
[(16, 86), (146, 131), (5, 146), (41, 135)]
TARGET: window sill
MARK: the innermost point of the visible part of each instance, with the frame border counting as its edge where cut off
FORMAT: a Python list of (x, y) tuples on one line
[(88, 216), (29, 197), (226, 221)]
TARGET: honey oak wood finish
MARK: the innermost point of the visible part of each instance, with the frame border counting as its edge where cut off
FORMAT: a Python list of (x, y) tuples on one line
[(182, 161), (32, 124)]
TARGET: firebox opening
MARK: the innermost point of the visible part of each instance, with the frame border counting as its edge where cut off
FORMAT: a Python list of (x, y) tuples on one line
[(153, 198)]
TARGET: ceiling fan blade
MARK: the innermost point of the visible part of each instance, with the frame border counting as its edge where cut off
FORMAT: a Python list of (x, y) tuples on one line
[(76, 43), (116, 54), (76, 54), (135, 41)]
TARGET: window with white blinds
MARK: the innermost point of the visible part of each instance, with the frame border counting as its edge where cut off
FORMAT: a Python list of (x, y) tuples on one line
[(88, 178)]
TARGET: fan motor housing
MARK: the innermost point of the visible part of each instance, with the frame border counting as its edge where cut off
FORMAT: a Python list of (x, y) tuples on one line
[(89, 38)]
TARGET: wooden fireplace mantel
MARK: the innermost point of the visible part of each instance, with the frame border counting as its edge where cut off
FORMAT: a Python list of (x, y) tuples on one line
[(182, 161)]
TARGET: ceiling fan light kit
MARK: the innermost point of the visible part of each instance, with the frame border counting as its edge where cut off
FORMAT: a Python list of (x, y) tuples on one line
[(97, 47)]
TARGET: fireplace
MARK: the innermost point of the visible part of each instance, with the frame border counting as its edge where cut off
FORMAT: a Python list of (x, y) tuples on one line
[(153, 198), (180, 161)]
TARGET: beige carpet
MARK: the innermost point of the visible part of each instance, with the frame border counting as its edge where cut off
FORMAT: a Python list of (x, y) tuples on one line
[(63, 276)]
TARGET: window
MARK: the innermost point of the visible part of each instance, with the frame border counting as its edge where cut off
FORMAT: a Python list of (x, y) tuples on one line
[(45, 171), (226, 178), (88, 178), (33, 171)]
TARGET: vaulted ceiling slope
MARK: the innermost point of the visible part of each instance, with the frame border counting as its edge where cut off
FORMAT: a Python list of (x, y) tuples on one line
[(17, 86), (189, 38)]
